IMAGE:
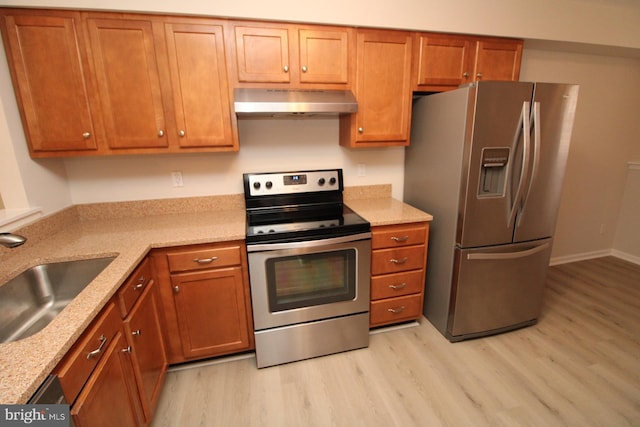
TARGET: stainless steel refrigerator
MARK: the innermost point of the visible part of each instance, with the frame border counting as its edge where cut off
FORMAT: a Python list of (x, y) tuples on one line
[(487, 160)]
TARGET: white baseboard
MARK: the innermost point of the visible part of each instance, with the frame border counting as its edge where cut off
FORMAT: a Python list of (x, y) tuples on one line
[(595, 254), (625, 256)]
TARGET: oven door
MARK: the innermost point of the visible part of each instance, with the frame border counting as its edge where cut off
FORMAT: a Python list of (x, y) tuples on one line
[(312, 280)]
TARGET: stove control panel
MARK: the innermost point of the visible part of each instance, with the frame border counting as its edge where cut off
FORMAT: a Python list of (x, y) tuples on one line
[(281, 183)]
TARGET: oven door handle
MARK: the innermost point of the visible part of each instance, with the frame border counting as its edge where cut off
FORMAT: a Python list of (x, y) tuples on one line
[(260, 247)]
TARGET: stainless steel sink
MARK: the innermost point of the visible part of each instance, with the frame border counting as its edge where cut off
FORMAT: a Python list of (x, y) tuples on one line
[(31, 300)]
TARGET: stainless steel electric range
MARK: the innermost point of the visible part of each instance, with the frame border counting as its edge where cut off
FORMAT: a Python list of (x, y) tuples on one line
[(309, 266)]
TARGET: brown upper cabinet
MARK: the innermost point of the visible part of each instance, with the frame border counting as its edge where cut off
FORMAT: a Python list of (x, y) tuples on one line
[(105, 83), (56, 94), (100, 83), (383, 91), (444, 61), (293, 55), (163, 83), (199, 83), (124, 55)]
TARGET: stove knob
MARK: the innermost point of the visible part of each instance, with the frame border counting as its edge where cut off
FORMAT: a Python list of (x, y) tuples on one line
[(321, 182), (332, 181), (256, 185), (268, 184)]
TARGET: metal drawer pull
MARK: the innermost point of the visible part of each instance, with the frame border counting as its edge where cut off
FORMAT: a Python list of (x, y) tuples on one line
[(396, 310), (137, 332), (140, 283), (400, 239), (205, 260), (399, 261), (400, 286), (103, 341), (126, 350)]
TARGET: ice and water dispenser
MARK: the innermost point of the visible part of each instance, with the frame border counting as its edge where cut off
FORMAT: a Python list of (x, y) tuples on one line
[(493, 172)]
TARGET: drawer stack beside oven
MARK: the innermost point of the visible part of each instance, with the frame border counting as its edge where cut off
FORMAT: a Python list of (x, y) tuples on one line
[(398, 264)]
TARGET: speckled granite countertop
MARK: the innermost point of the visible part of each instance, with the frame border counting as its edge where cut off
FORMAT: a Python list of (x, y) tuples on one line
[(129, 230)]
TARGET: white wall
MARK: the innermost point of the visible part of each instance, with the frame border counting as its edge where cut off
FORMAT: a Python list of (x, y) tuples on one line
[(606, 133), (627, 238), (265, 145)]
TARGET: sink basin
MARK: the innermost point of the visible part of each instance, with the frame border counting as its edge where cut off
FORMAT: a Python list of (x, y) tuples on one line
[(31, 300)]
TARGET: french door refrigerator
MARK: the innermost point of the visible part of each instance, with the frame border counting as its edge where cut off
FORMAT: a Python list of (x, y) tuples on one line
[(487, 160)]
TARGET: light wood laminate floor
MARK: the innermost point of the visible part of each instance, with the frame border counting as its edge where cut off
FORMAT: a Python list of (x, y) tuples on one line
[(579, 366)]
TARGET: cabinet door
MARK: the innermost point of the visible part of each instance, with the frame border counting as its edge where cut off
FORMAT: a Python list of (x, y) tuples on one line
[(110, 397), (498, 59), (324, 55), (212, 311), (382, 89), (262, 54), (199, 82), (48, 62), (129, 86), (144, 335), (442, 60)]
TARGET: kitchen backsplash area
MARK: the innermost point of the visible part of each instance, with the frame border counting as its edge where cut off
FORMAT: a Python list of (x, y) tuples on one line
[(266, 145)]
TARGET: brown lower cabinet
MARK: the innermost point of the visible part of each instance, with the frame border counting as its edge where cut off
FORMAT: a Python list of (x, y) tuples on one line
[(143, 331), (398, 266), (109, 398), (206, 302), (114, 373)]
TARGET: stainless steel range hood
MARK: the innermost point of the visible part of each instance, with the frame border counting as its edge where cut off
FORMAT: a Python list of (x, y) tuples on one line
[(288, 102)]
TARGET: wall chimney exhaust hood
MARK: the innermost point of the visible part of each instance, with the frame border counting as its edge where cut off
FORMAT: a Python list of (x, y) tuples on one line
[(292, 103)]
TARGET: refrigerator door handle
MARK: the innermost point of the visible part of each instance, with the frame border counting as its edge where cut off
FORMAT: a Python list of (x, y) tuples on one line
[(536, 158), (508, 255), (524, 171)]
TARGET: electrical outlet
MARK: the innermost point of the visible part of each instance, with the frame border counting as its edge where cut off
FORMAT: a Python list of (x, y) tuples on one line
[(176, 178), (362, 169)]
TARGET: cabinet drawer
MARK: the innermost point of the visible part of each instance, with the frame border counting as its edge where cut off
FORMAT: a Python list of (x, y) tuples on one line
[(83, 358), (399, 235), (129, 293), (200, 259), (384, 261), (398, 284), (393, 310)]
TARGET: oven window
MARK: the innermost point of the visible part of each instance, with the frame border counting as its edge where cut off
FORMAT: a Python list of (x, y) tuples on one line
[(311, 279)]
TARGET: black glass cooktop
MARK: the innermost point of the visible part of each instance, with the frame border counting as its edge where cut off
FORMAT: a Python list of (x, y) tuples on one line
[(312, 224)]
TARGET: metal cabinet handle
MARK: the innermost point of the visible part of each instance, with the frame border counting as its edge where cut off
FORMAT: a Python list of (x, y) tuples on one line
[(400, 239), (103, 341), (304, 68), (86, 135), (400, 286), (160, 133), (181, 133), (465, 74), (176, 289), (479, 75), (137, 333), (361, 130), (396, 310), (399, 261), (140, 283), (126, 350), (205, 260), (286, 68)]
